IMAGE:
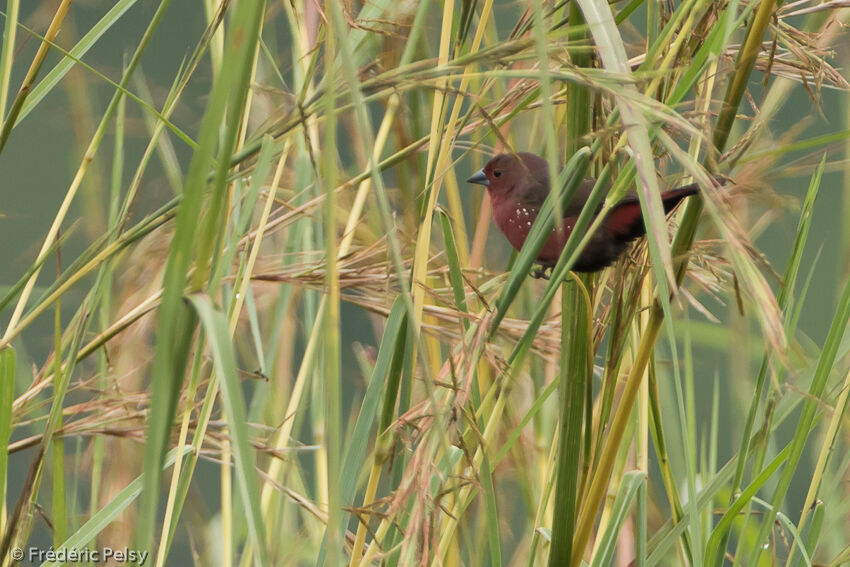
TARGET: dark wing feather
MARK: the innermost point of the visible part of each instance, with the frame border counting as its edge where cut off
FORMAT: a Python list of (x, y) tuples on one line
[(625, 221)]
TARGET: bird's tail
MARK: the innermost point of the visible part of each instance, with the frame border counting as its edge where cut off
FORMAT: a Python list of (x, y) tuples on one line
[(672, 197)]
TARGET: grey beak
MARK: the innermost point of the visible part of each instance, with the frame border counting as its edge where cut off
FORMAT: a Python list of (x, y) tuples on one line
[(479, 178)]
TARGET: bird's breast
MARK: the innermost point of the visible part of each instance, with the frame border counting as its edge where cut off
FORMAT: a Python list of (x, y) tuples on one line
[(515, 221)]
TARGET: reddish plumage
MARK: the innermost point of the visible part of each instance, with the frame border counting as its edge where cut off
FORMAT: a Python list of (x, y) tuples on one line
[(518, 185)]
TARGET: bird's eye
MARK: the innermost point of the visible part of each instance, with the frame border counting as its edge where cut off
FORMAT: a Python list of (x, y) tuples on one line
[(497, 173)]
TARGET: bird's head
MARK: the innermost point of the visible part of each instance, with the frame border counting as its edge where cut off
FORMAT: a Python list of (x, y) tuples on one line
[(506, 173)]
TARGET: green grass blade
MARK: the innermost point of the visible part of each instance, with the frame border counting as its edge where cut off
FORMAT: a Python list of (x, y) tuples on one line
[(244, 455), (783, 520), (7, 396), (87, 533), (813, 530), (455, 274), (807, 417), (357, 443), (575, 377), (89, 40), (175, 323), (713, 549), (491, 515), (633, 482), (6, 59)]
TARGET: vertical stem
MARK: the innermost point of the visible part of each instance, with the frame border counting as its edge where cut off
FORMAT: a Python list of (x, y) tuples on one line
[(331, 320), (598, 487), (579, 105), (844, 248), (574, 379), (59, 515), (743, 69)]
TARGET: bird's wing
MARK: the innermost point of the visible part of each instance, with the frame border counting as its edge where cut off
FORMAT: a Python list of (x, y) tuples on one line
[(534, 192), (581, 196), (626, 220)]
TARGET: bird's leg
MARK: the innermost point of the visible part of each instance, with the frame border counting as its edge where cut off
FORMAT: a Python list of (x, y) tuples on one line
[(540, 272)]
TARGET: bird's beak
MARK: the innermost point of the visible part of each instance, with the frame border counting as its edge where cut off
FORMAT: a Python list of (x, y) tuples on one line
[(479, 178)]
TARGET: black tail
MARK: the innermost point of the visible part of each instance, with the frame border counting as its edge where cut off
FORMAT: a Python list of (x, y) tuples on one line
[(672, 197)]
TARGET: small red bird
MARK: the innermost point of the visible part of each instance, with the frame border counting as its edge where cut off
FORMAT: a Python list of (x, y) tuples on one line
[(519, 183)]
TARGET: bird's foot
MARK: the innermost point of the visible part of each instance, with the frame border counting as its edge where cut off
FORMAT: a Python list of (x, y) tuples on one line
[(539, 272)]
